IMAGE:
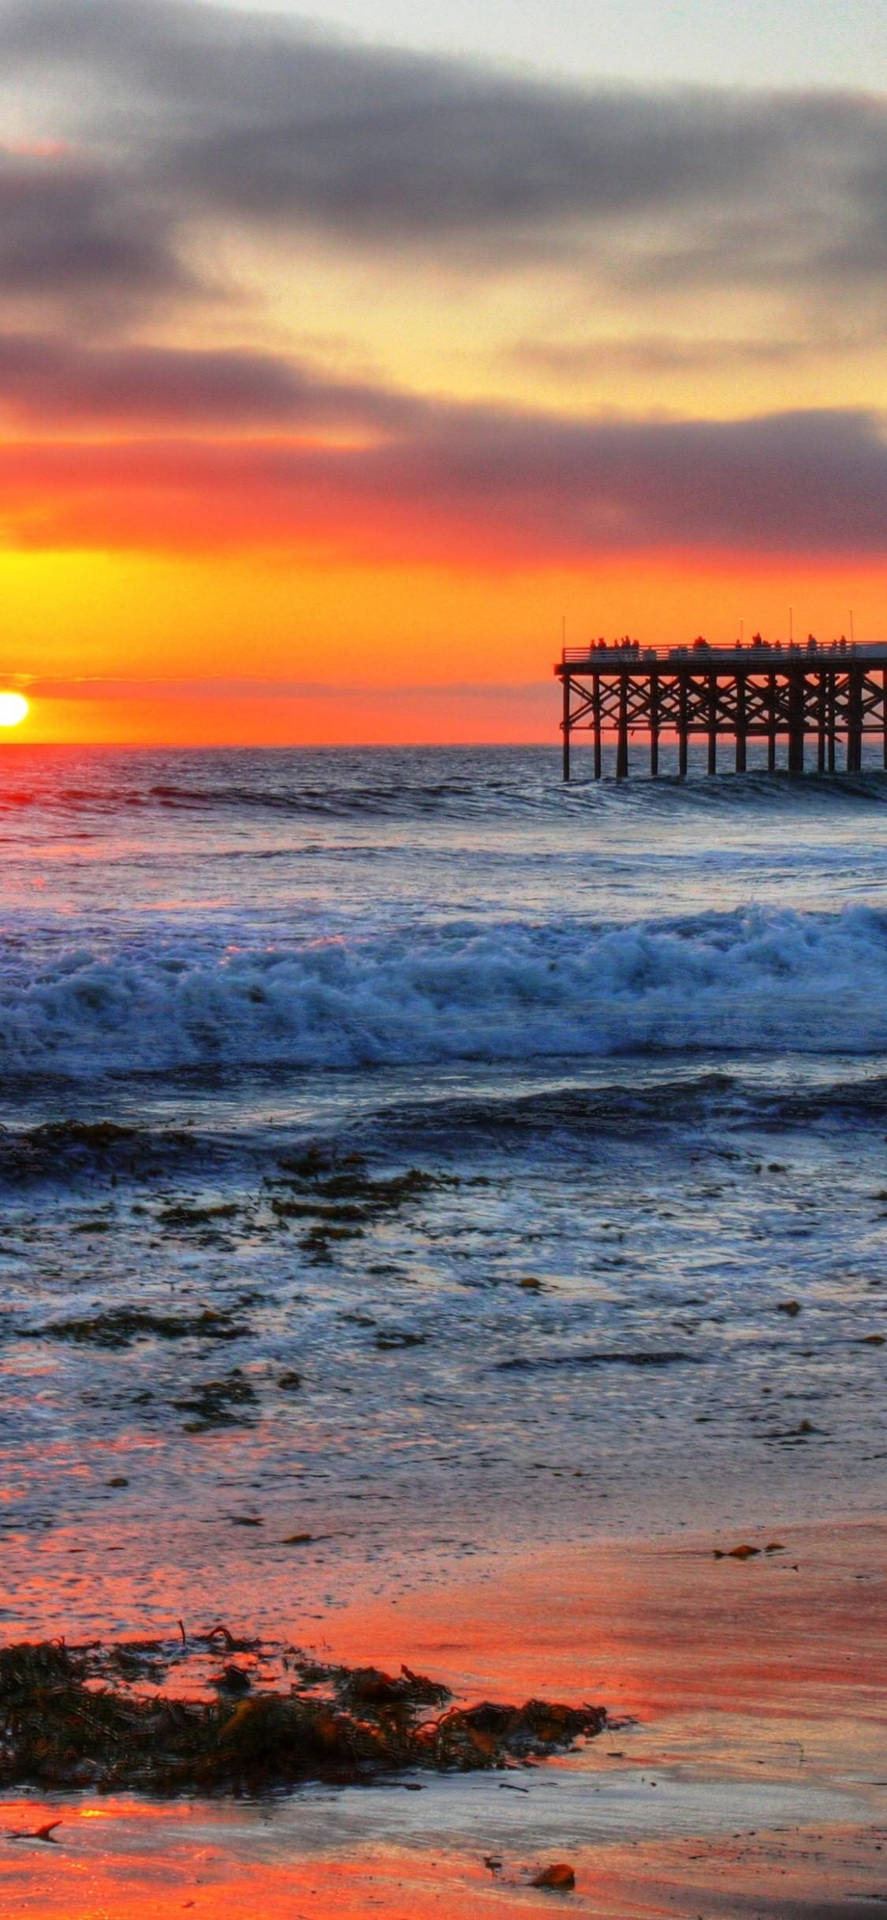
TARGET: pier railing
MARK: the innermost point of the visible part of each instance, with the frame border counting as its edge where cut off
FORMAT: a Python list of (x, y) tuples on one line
[(764, 655), (836, 692)]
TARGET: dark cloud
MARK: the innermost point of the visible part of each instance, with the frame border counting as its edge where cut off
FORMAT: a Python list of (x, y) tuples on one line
[(806, 481), (472, 486), (411, 158), (49, 379), (227, 115), (69, 225)]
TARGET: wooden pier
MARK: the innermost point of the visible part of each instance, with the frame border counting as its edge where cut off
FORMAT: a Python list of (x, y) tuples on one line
[(792, 694)]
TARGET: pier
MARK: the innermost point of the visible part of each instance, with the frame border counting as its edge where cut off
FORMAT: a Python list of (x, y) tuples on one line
[(827, 696)]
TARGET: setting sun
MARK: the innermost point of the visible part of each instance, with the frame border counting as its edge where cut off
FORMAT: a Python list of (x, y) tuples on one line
[(13, 709)]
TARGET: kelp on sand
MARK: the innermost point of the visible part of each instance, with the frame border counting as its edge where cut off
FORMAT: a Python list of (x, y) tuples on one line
[(103, 1717)]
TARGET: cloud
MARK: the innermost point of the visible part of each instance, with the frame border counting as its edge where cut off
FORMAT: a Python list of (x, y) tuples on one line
[(69, 225), (120, 687), (660, 354), (224, 116), (469, 486), (154, 130), (48, 377)]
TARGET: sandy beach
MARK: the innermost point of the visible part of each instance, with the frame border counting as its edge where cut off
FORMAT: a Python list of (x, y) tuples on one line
[(744, 1773)]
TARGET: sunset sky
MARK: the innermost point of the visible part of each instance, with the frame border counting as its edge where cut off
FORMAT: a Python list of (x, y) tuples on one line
[(345, 355)]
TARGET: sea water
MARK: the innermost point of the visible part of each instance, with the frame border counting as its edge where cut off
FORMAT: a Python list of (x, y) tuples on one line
[(406, 1159)]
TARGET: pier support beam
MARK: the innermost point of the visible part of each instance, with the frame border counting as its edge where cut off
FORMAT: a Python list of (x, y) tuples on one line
[(796, 723), (741, 723), (854, 720), (654, 724), (622, 735), (771, 723), (682, 730), (596, 713), (712, 723), (565, 725)]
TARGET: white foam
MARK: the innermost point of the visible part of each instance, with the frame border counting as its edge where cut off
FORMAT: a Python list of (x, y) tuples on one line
[(758, 979)]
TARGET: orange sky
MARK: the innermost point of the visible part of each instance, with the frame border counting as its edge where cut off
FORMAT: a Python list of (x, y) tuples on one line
[(333, 379), (328, 660)]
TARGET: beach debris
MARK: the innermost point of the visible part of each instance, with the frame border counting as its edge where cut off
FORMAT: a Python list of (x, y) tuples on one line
[(340, 1214), (317, 1243), (118, 1327), (289, 1381), (71, 1714), (470, 1737), (530, 1284), (595, 1358), (791, 1307), (396, 1337), (559, 1878), (297, 1539), (45, 1833), (745, 1551), (232, 1643), (213, 1402), (346, 1190), (181, 1214), (232, 1679), (85, 1147), (872, 1340)]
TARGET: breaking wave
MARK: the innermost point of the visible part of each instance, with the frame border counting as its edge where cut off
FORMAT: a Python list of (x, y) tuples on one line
[(745, 982)]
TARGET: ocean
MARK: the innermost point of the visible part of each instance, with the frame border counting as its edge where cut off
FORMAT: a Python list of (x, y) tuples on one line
[(406, 1160)]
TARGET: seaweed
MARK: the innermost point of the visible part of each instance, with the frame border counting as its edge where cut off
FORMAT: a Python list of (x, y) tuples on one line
[(184, 1214), (116, 1327), (86, 1148), (212, 1403), (74, 1715), (376, 1196), (345, 1191)]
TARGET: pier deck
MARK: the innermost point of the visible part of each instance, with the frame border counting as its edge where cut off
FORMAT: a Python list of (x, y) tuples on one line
[(795, 694)]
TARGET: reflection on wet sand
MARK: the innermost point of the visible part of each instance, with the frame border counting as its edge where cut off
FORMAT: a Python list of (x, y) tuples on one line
[(746, 1777)]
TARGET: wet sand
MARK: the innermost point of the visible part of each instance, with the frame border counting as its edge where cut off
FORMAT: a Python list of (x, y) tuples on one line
[(749, 1778)]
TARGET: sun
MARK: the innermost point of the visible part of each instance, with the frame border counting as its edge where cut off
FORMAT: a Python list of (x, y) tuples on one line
[(14, 709)]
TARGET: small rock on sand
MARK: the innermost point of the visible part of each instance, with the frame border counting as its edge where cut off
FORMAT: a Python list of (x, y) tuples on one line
[(559, 1877)]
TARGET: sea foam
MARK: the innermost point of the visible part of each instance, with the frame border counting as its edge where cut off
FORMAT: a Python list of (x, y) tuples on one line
[(747, 981)]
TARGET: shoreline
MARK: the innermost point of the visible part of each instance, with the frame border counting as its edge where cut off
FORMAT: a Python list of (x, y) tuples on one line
[(752, 1780)]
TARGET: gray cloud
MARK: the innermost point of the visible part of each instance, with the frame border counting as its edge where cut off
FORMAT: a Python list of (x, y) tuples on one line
[(47, 378), (809, 480), (226, 115), (69, 225), (472, 485), (659, 354)]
